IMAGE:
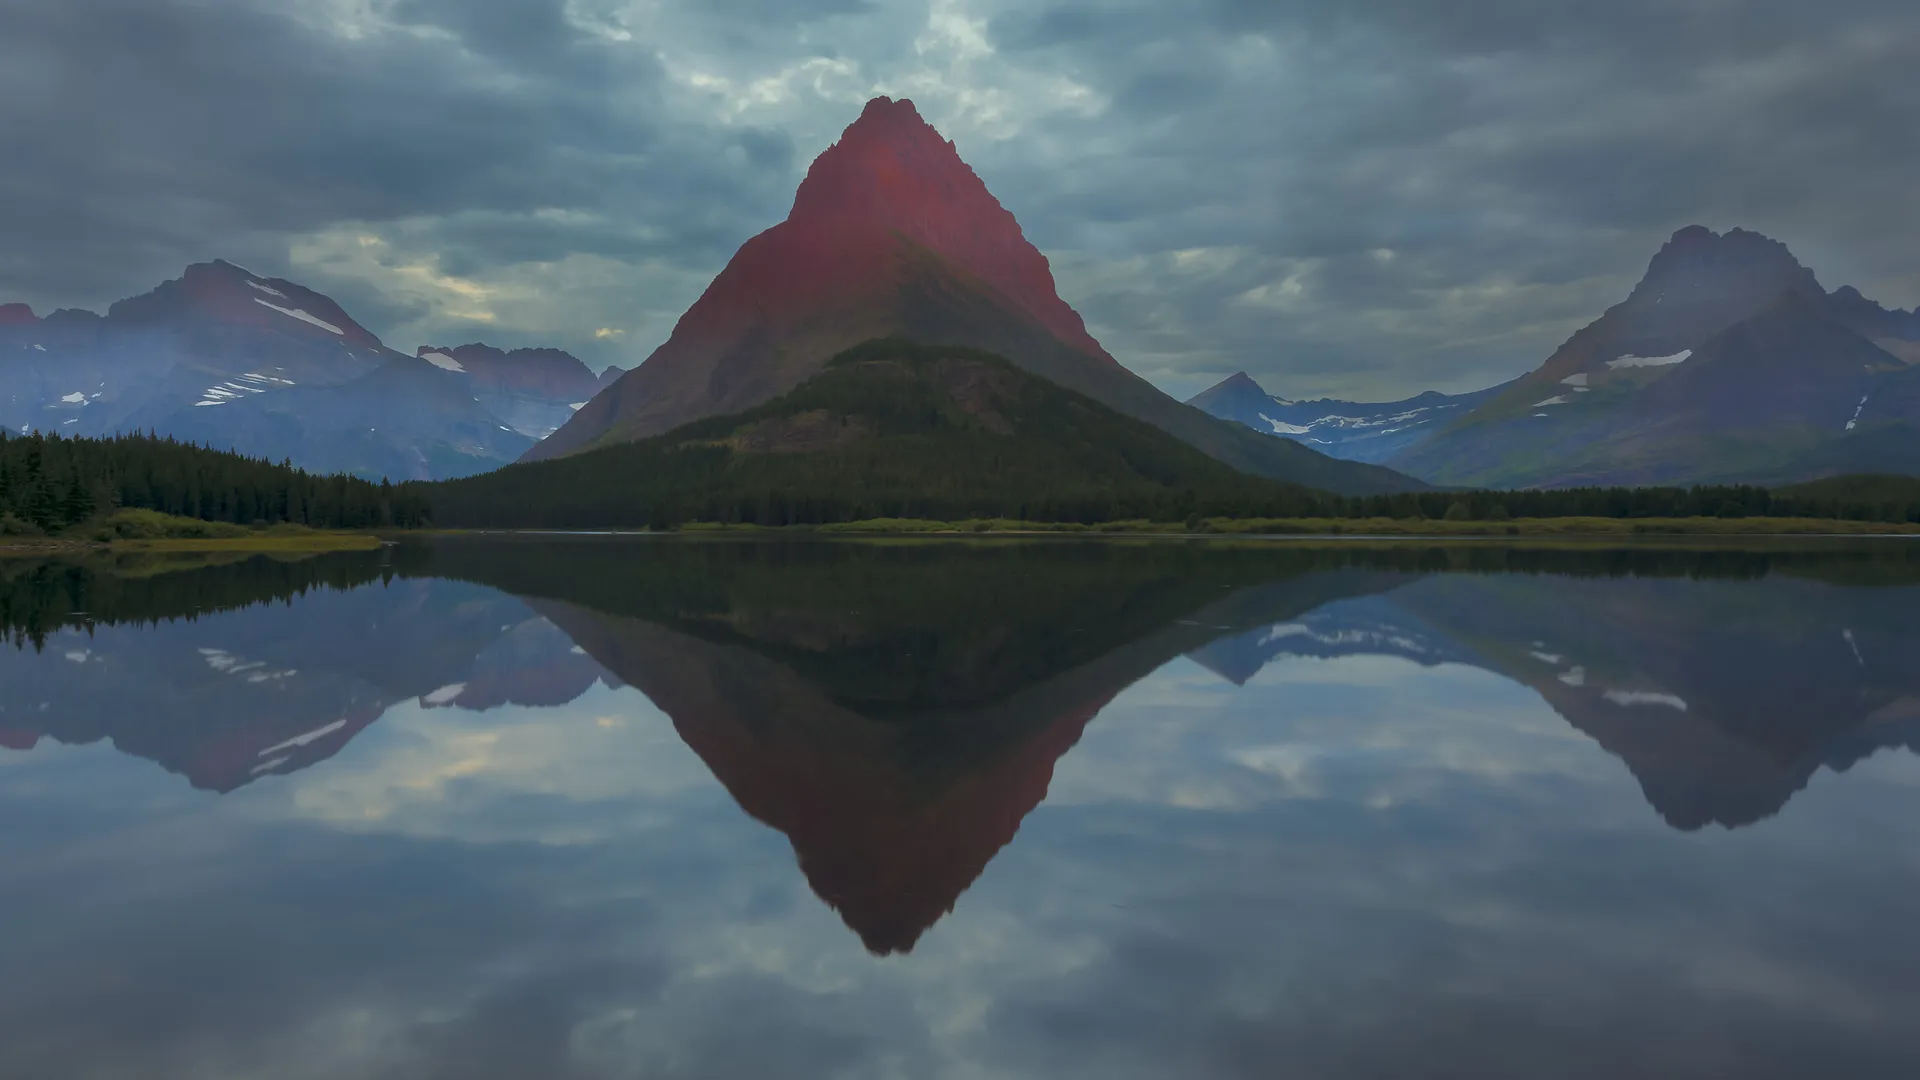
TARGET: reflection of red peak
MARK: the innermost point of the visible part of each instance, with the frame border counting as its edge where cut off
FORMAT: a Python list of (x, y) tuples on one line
[(222, 292), (890, 858), (18, 740), (887, 828), (17, 315)]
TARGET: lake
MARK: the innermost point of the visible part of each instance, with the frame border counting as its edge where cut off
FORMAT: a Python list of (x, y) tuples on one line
[(665, 807)]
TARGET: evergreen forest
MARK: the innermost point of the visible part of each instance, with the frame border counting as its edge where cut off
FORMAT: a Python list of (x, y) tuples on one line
[(48, 483)]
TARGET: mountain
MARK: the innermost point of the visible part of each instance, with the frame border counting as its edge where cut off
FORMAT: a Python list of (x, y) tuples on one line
[(892, 235), (533, 391), (1729, 362), (887, 429), (1349, 430), (264, 366)]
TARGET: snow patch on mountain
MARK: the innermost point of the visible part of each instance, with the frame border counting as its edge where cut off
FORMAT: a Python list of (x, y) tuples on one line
[(1631, 361), (268, 289), (444, 695), (301, 315), (1628, 698), (303, 740), (443, 361)]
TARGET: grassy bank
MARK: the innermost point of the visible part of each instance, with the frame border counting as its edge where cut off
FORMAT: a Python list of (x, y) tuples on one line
[(149, 531)]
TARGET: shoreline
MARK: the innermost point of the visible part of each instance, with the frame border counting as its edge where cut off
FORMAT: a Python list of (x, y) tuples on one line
[(1254, 528), (320, 543)]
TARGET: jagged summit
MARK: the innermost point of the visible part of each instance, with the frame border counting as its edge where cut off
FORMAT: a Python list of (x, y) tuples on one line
[(893, 170), (1735, 267)]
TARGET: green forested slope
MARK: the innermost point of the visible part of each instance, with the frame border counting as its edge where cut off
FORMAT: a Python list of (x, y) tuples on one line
[(888, 429)]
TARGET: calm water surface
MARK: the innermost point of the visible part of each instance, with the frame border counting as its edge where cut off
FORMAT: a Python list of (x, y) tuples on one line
[(606, 808)]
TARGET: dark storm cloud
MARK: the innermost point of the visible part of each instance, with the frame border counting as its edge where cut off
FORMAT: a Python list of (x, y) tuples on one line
[(1362, 197), (147, 135), (1467, 182)]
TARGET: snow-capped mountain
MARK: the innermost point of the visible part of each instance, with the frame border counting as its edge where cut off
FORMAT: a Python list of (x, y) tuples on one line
[(262, 365), (1728, 362)]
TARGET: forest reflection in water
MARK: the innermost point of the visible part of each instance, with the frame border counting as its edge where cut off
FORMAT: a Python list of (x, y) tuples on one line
[(1373, 716)]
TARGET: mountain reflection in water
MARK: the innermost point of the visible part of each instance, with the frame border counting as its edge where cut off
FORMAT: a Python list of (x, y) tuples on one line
[(504, 808), (897, 710)]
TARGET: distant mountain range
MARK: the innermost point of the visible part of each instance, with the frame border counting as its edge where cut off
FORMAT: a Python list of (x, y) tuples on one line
[(1350, 430), (1729, 362), (272, 369), (891, 235)]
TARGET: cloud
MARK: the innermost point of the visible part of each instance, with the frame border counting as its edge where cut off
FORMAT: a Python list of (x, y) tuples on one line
[(1521, 160)]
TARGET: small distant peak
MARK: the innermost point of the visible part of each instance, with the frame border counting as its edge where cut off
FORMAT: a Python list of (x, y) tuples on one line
[(1241, 382), (17, 315), (1237, 386)]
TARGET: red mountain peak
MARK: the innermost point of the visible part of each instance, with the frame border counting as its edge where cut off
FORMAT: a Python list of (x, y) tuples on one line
[(894, 170), (891, 234), (17, 315)]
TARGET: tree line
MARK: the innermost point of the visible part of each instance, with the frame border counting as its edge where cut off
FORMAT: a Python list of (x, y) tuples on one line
[(617, 488), (49, 483)]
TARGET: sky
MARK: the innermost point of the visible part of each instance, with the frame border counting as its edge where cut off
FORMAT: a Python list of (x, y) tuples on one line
[(1358, 198)]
